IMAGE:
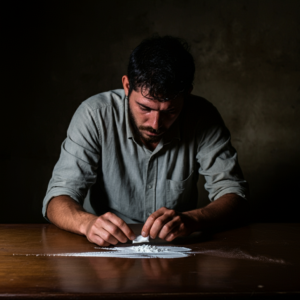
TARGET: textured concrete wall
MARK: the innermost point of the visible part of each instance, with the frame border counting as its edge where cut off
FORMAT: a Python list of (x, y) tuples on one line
[(248, 66)]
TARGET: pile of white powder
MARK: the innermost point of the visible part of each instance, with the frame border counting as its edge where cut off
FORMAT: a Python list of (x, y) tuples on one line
[(148, 249)]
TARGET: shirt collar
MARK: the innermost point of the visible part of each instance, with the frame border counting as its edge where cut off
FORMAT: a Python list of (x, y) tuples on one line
[(129, 131)]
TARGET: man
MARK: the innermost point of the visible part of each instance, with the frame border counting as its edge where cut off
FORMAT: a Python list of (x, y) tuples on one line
[(134, 156)]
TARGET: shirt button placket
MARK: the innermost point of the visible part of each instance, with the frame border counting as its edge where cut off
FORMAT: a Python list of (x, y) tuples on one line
[(149, 190)]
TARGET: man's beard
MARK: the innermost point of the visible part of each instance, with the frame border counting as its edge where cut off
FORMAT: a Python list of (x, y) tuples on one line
[(137, 130)]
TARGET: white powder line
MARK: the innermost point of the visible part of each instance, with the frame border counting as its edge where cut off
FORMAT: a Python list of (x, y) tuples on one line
[(143, 251), (239, 254), (148, 251)]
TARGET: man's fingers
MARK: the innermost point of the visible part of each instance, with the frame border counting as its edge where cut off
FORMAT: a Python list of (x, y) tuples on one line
[(108, 229), (161, 222), (169, 227), (176, 232), (98, 240), (151, 219), (120, 224), (113, 230), (107, 236)]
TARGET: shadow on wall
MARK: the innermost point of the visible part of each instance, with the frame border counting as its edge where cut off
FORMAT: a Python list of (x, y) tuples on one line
[(276, 194)]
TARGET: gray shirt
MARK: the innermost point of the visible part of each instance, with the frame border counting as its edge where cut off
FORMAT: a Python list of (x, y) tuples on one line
[(103, 167)]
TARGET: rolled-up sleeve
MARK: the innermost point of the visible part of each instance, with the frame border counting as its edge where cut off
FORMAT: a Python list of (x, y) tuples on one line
[(76, 170), (218, 160)]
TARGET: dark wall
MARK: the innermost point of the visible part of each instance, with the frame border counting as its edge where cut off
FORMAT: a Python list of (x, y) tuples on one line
[(247, 56)]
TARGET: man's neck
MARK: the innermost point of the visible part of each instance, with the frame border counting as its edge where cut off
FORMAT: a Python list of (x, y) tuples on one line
[(150, 146)]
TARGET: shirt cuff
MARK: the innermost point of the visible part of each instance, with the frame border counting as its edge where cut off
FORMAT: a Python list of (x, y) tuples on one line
[(55, 192)]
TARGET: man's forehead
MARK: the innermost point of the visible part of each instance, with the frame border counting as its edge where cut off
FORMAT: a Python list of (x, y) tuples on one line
[(139, 98)]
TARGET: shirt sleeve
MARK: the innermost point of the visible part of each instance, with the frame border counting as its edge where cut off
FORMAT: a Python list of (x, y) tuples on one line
[(76, 170), (218, 159)]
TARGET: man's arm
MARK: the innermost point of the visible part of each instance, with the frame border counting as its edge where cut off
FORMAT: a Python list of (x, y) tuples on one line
[(104, 230), (167, 224), (73, 175), (228, 210)]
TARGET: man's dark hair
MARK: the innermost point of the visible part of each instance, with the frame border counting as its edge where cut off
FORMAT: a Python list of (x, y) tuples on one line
[(161, 67)]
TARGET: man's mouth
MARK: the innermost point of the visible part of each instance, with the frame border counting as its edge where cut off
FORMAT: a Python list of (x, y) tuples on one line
[(153, 134)]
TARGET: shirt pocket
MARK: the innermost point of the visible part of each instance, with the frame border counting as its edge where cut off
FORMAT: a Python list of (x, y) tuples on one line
[(178, 191)]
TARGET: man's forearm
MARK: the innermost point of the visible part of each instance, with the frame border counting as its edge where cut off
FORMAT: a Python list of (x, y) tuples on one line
[(69, 215), (229, 209)]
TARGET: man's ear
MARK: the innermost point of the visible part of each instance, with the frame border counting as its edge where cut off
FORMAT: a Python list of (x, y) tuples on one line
[(125, 82)]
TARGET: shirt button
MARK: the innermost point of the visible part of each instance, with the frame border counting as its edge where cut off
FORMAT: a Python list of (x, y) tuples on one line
[(149, 186)]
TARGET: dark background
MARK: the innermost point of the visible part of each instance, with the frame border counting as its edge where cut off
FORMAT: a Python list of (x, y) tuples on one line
[(247, 56)]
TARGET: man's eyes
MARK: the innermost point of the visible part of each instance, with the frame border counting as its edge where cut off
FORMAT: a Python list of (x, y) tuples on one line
[(144, 108), (165, 112)]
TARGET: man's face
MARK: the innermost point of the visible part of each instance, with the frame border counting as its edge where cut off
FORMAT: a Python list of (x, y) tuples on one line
[(151, 118)]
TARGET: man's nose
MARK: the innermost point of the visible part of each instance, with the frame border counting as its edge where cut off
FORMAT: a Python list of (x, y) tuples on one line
[(156, 120)]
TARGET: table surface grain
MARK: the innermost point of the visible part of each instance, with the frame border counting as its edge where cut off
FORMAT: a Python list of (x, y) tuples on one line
[(258, 260)]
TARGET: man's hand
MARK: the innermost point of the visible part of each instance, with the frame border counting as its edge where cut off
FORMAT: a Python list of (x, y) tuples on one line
[(108, 229), (69, 215), (228, 210), (168, 224)]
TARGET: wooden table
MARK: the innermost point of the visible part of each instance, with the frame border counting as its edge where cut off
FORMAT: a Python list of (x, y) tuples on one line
[(259, 260)]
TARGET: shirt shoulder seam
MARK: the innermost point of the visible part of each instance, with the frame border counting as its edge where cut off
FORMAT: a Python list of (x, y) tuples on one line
[(94, 117)]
